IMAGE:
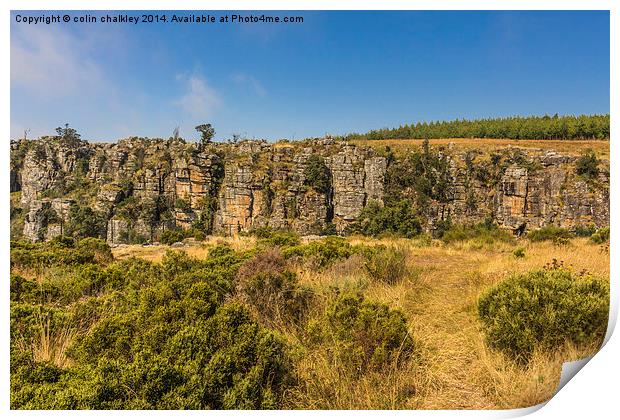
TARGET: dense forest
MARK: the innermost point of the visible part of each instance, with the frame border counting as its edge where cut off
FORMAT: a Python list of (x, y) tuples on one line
[(567, 127)]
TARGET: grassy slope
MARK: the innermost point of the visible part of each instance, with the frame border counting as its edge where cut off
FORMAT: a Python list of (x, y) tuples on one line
[(439, 298)]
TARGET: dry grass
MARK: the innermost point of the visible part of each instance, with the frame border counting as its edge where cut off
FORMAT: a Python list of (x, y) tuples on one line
[(453, 369), (49, 346), (569, 147), (194, 249)]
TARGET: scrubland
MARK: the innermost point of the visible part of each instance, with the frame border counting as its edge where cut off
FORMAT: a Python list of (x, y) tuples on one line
[(319, 323)]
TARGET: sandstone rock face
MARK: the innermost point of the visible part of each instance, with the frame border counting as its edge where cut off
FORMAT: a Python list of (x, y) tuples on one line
[(143, 187), (45, 219), (115, 229)]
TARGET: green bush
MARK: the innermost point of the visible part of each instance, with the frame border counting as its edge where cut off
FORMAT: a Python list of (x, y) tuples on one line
[(266, 286), (268, 238), (84, 222), (485, 233), (142, 335), (220, 360), (167, 342), (549, 233), (399, 219), (317, 174), (168, 237), (601, 235), (22, 288), (59, 252), (386, 265), (330, 229), (132, 236), (587, 165), (101, 250), (182, 205), (543, 310), (585, 231), (322, 253), (363, 335), (199, 235), (133, 273), (519, 252)]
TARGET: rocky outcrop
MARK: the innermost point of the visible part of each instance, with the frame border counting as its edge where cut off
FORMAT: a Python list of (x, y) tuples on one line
[(143, 187)]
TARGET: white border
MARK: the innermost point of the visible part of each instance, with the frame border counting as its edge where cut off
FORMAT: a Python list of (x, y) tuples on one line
[(592, 394)]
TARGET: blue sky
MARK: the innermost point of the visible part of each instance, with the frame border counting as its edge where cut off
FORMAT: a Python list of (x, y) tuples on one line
[(337, 72)]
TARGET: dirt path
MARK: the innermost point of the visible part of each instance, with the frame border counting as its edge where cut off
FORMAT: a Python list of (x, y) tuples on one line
[(445, 321)]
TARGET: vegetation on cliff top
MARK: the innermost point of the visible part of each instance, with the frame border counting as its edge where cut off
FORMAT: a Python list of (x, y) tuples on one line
[(586, 127)]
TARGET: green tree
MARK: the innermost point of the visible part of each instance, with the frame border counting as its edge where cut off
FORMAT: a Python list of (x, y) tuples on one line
[(532, 127), (317, 174), (84, 222), (206, 133), (68, 135), (587, 165)]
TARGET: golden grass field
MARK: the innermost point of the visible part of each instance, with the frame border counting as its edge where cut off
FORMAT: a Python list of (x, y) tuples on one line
[(455, 369), (569, 147)]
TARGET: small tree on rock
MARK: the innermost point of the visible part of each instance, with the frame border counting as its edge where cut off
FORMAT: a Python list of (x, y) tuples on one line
[(68, 135), (206, 133)]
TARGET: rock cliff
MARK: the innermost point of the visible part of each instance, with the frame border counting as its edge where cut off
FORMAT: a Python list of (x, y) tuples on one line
[(142, 187)]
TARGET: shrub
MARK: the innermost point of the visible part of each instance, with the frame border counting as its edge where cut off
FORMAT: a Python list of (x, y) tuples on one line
[(386, 265), (269, 238), (62, 241), (60, 252), (485, 233), (601, 235), (262, 232), (175, 346), (584, 231), (133, 272), (101, 250), (322, 253), (199, 235), (85, 222), (174, 263), (22, 289), (265, 285), (549, 233), (519, 252), (363, 335), (399, 219), (317, 174), (168, 237), (221, 361), (543, 310), (182, 205), (160, 336), (587, 165)]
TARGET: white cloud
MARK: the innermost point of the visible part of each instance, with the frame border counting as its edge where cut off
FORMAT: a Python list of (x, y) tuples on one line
[(48, 61), (246, 79), (200, 100)]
